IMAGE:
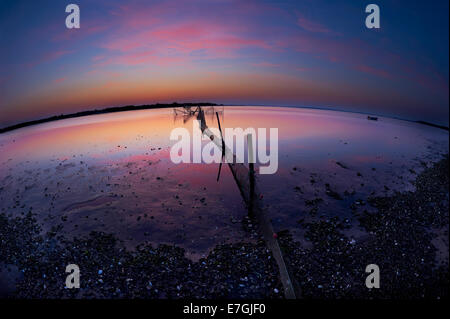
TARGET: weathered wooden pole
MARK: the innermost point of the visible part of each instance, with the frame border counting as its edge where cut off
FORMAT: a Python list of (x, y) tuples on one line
[(246, 182)]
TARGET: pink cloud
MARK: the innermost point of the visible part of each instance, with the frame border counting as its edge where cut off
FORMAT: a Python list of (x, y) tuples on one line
[(146, 57), (87, 28), (266, 64), (302, 69), (98, 58), (59, 80), (183, 31), (373, 71), (54, 55), (356, 54), (185, 38), (312, 26), (178, 42)]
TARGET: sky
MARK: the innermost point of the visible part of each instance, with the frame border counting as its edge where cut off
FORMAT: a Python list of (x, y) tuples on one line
[(309, 53)]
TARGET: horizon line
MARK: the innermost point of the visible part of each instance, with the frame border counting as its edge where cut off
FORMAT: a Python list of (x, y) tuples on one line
[(130, 107)]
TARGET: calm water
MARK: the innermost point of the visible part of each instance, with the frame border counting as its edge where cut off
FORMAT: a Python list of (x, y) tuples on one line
[(113, 173)]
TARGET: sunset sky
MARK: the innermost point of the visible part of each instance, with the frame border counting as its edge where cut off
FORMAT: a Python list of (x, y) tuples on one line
[(285, 53)]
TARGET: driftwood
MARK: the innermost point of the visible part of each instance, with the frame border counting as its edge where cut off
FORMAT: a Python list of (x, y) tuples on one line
[(246, 182)]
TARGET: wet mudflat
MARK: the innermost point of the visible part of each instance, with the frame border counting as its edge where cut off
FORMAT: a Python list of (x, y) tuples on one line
[(401, 237), (102, 192), (119, 182)]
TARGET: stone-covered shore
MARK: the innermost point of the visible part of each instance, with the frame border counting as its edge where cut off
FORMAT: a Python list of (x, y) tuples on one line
[(407, 237)]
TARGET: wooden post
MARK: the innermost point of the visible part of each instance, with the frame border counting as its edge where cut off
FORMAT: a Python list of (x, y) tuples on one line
[(249, 189), (251, 173)]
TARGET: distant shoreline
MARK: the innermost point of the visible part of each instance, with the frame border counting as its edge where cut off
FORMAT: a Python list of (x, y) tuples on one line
[(144, 107), (433, 125), (102, 111)]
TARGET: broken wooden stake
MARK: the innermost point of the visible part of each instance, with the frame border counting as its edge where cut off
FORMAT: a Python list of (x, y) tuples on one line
[(245, 180)]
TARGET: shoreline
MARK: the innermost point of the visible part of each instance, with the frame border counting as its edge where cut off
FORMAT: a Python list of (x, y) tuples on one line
[(125, 108), (113, 109)]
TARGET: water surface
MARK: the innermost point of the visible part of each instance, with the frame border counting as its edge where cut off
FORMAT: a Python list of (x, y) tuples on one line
[(113, 173)]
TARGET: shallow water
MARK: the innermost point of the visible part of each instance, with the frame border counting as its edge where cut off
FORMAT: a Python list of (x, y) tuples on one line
[(113, 173)]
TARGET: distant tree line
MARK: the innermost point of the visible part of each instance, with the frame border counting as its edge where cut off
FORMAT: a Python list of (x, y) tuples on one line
[(102, 111)]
